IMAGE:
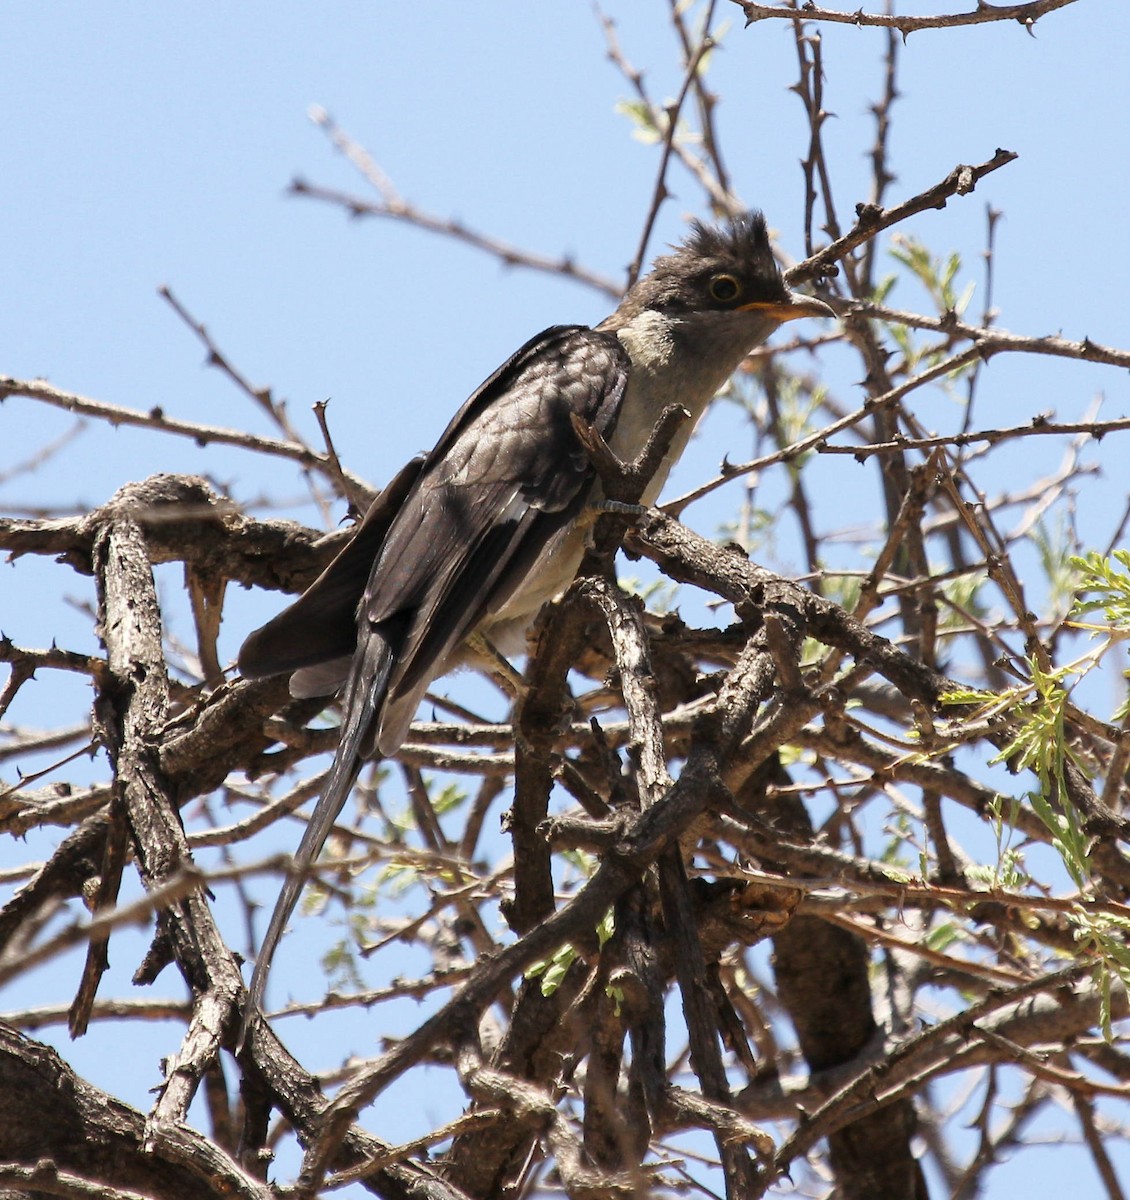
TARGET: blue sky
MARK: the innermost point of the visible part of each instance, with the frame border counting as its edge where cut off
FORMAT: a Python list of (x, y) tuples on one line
[(150, 145)]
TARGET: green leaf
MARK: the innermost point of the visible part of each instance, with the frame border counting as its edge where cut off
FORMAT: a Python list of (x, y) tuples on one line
[(1108, 582)]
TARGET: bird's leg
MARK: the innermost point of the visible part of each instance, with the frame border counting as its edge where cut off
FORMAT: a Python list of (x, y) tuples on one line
[(495, 665)]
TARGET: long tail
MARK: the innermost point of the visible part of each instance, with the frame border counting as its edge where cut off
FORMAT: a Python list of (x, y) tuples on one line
[(364, 695)]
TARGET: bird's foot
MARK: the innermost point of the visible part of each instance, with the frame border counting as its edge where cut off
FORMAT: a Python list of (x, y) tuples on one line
[(592, 512)]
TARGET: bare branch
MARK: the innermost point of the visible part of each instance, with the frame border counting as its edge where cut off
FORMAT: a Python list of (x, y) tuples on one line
[(1027, 14)]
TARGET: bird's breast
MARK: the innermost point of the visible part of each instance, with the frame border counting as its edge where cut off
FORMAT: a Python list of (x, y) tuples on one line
[(662, 374)]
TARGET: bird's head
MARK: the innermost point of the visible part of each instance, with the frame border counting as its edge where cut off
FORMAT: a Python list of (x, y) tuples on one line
[(728, 268)]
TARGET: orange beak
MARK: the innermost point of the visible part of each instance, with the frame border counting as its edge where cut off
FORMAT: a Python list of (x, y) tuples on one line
[(790, 309)]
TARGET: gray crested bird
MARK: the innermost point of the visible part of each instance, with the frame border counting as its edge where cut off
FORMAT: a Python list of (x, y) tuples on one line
[(473, 537)]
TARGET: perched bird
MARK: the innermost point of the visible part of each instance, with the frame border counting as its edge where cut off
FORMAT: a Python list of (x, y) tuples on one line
[(472, 538)]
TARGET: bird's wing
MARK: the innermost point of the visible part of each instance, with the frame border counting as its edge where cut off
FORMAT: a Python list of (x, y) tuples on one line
[(545, 347), (322, 623), (507, 475)]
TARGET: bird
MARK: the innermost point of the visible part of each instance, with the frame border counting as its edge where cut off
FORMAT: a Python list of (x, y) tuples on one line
[(469, 540)]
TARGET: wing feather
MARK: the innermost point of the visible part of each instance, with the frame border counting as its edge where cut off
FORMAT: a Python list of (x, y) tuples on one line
[(321, 624)]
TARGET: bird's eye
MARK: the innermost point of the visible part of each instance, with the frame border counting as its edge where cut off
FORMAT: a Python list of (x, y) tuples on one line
[(724, 288)]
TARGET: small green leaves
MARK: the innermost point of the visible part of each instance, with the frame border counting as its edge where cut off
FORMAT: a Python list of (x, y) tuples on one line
[(937, 275), (552, 970), (1108, 582)]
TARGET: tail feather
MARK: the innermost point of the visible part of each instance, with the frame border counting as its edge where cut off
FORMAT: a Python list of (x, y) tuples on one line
[(364, 695)]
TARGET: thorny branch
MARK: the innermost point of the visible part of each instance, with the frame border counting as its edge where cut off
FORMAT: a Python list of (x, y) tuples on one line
[(1026, 14)]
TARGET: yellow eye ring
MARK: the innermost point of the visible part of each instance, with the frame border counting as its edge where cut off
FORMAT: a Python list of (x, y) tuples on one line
[(725, 288)]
